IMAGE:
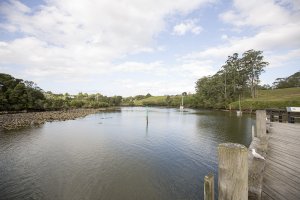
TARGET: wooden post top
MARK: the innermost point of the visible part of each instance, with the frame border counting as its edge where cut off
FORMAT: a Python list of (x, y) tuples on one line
[(210, 175)]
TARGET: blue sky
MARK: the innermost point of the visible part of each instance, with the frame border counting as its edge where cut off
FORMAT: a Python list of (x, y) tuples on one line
[(131, 47)]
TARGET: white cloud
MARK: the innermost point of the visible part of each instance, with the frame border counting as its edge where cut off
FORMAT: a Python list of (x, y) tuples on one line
[(75, 37), (258, 13), (187, 26), (194, 69), (276, 32), (224, 37), (153, 67), (280, 60), (154, 87)]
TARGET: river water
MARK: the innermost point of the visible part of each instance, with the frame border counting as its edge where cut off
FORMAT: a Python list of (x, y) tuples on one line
[(118, 155)]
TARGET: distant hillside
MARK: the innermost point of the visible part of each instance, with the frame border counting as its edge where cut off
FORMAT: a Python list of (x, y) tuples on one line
[(288, 82), (277, 98), (169, 101)]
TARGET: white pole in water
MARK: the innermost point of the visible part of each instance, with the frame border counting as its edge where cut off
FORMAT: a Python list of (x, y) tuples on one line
[(147, 114), (182, 100), (181, 106)]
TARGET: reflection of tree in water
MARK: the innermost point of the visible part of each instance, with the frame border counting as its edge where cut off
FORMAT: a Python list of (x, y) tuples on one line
[(225, 127)]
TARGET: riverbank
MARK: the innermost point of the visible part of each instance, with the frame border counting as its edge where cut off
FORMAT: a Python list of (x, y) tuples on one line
[(20, 120)]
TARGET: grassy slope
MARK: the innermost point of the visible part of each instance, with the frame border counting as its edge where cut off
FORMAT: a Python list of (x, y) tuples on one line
[(153, 99), (278, 98), (175, 101)]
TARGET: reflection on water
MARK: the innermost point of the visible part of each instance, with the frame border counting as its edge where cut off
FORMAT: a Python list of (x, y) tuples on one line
[(118, 155)]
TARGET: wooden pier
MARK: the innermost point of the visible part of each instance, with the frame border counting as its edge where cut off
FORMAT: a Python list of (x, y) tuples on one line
[(281, 177), (274, 176)]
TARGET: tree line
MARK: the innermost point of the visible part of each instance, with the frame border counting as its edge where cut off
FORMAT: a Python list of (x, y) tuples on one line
[(17, 94), (239, 77), (288, 82)]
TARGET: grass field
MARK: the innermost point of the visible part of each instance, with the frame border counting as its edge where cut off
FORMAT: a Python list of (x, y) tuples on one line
[(277, 98), (173, 101)]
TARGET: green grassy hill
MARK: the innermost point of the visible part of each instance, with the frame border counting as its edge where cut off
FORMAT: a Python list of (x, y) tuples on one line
[(277, 98), (172, 101)]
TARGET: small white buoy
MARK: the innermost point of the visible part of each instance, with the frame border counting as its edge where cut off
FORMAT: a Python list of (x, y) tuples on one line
[(256, 155)]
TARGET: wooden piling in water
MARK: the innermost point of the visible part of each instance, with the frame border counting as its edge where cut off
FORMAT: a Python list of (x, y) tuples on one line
[(261, 128), (233, 171), (252, 132), (209, 187)]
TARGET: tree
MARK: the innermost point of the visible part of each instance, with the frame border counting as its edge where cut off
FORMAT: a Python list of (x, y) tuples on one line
[(235, 78), (288, 82), (254, 64), (16, 94), (168, 100)]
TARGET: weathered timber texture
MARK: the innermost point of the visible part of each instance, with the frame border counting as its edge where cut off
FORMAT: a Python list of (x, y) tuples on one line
[(209, 187), (256, 168), (233, 171), (282, 171), (261, 128)]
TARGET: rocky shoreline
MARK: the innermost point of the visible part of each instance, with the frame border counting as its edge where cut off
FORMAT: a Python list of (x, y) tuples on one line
[(20, 120)]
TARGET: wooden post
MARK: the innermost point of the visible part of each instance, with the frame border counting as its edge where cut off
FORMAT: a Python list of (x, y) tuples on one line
[(253, 132), (233, 171), (261, 124), (209, 187)]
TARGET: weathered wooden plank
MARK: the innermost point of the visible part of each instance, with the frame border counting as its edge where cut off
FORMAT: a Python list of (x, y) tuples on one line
[(281, 190), (282, 180), (284, 177), (285, 139), (276, 153), (292, 152), (265, 196), (287, 168), (285, 162), (270, 192), (289, 129), (282, 172)]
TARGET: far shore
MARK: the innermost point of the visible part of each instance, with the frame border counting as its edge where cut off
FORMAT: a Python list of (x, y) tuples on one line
[(10, 121)]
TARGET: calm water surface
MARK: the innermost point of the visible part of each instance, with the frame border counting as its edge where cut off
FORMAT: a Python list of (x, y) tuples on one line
[(117, 155)]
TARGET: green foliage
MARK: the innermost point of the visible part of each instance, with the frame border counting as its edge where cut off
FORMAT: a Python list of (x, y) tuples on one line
[(291, 81), (169, 101), (238, 77), (81, 100), (16, 94)]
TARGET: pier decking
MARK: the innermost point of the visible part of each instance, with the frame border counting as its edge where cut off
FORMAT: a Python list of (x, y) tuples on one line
[(281, 178)]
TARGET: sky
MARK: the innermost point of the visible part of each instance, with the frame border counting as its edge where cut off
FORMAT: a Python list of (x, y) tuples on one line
[(131, 47)]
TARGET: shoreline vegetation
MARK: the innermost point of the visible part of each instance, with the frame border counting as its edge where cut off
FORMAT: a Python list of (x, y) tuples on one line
[(11, 121), (235, 84), (276, 98)]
